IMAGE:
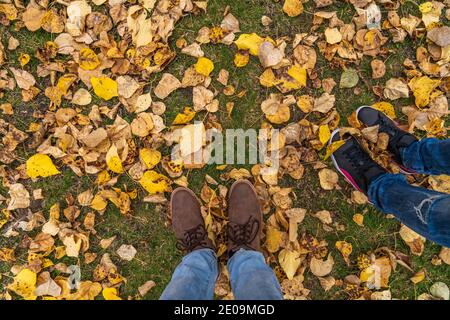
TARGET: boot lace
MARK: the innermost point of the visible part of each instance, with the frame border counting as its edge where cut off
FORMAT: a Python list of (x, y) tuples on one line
[(193, 238), (243, 234)]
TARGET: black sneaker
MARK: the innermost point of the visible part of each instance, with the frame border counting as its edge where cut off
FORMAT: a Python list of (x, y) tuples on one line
[(354, 163), (397, 138)]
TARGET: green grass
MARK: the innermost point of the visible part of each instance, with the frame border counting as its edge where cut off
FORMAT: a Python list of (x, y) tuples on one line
[(147, 228)]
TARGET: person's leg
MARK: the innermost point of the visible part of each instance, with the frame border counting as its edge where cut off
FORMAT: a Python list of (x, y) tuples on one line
[(251, 278), (427, 156), (194, 278), (425, 211)]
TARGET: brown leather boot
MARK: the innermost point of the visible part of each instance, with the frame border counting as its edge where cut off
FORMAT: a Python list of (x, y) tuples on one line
[(187, 221), (245, 216)]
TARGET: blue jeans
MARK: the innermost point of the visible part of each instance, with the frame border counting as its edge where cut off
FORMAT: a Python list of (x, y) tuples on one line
[(425, 211), (195, 277)]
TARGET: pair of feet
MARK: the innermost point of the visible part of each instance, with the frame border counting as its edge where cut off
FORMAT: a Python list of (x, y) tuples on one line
[(354, 163), (244, 215)]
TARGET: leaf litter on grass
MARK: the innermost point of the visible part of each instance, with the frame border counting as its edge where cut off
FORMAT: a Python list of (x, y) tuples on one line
[(96, 73)]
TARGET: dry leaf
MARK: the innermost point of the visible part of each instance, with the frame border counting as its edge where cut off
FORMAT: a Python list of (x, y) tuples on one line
[(126, 252), (289, 261), (328, 179), (321, 268)]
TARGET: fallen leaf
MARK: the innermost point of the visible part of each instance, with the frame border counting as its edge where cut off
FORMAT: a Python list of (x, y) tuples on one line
[(24, 284), (321, 268), (40, 165), (358, 218), (378, 68), (293, 8), (440, 290), (328, 179), (104, 87), (126, 252), (204, 66), (332, 35), (146, 287), (166, 86), (24, 79), (110, 294), (19, 197), (396, 89), (422, 87), (289, 261), (346, 249), (418, 277), (250, 42), (349, 79), (82, 97), (445, 255), (414, 241), (113, 160), (154, 182)]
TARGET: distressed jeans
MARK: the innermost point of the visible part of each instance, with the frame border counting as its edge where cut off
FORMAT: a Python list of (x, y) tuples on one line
[(195, 277), (425, 211)]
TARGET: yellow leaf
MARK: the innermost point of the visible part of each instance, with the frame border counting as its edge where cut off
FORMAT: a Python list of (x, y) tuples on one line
[(298, 73), (154, 182), (418, 277), (65, 82), (40, 165), (150, 157), (426, 7), (5, 214), (289, 261), (366, 274), (113, 160), (114, 277), (88, 59), (267, 78), (324, 133), (183, 118), (7, 254), (87, 290), (346, 249), (386, 108), (293, 8), (422, 87), (241, 58), (24, 284), (274, 237), (358, 218), (333, 147), (98, 203), (103, 177), (110, 294), (204, 66), (9, 10), (250, 42), (105, 87), (24, 59)]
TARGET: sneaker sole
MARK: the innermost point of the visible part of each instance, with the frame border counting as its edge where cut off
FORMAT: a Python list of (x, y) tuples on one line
[(402, 168)]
